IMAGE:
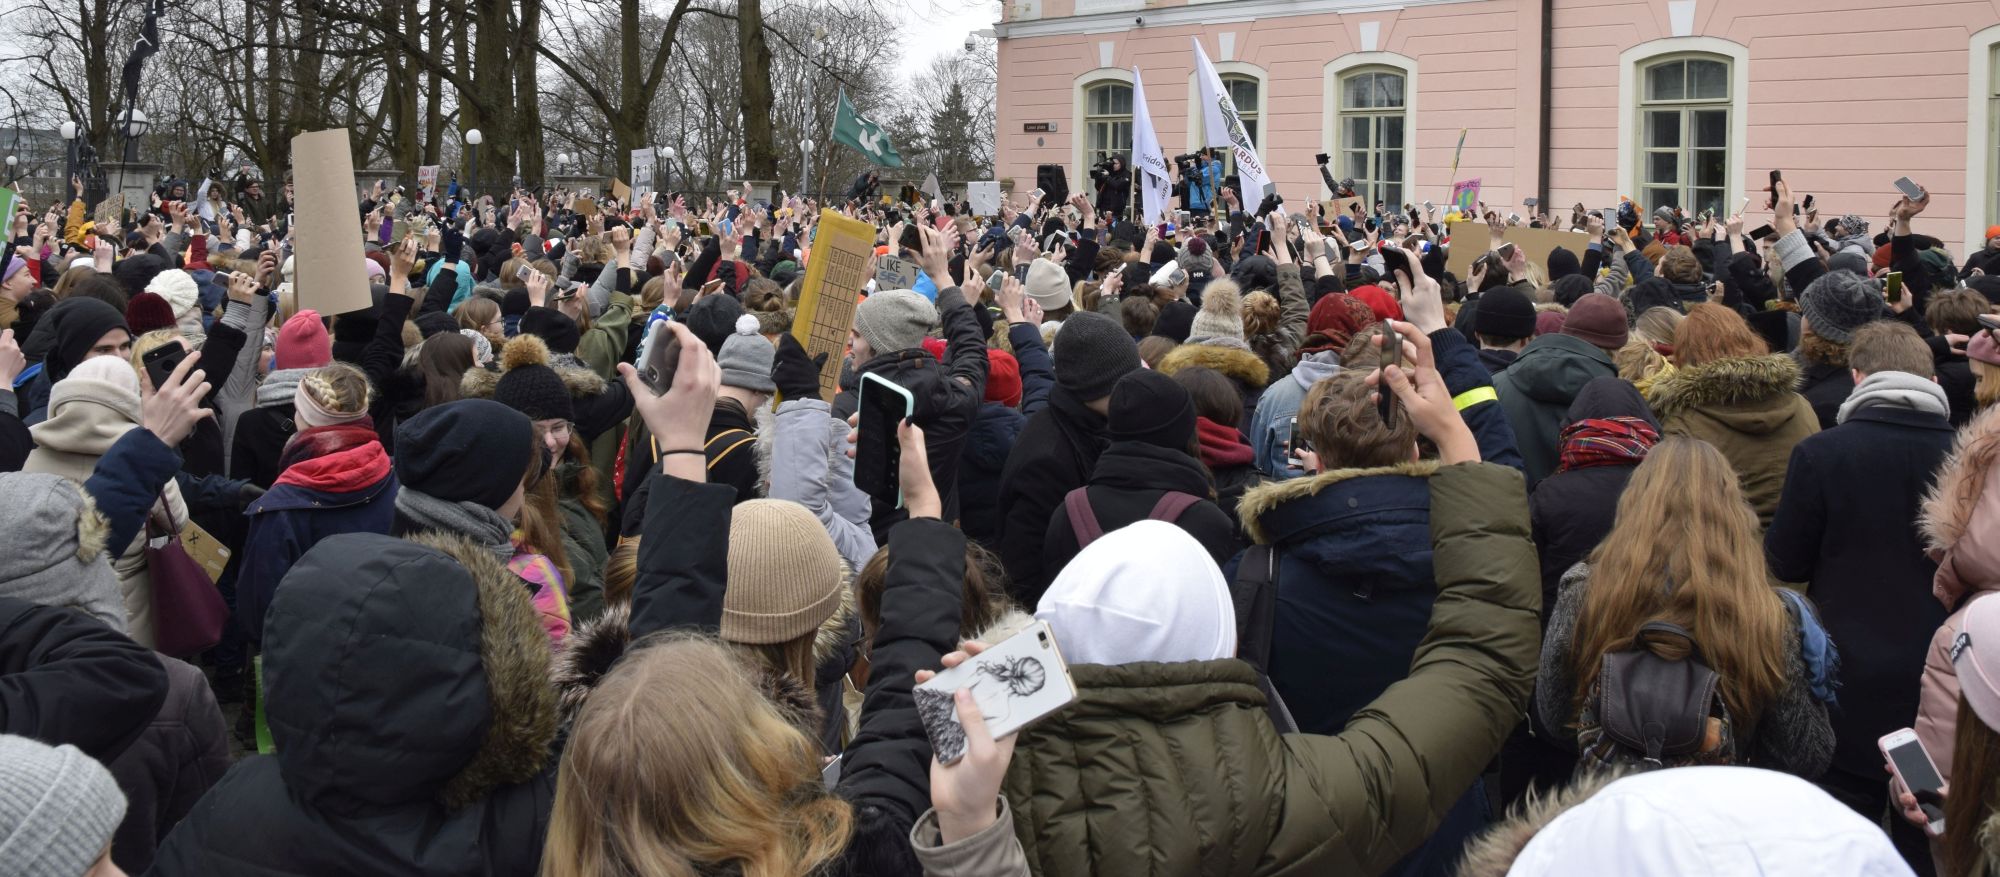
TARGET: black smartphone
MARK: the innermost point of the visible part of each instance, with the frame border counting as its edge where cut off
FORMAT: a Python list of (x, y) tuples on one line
[(1392, 354), (912, 239), (161, 361), (1761, 232), (1776, 178), (1295, 445), (1394, 260), (882, 407), (1021, 272), (663, 355), (1807, 203)]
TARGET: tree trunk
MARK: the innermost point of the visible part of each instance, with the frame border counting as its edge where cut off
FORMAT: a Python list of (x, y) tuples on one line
[(527, 97), (434, 95), (759, 141), (493, 88)]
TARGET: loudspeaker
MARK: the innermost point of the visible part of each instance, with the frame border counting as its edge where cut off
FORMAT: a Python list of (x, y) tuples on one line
[(1053, 182)]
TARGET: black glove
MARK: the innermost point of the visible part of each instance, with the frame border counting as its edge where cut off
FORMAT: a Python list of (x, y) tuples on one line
[(451, 242), (796, 374), (247, 494)]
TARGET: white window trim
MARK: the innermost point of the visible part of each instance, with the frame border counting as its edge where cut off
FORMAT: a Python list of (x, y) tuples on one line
[(1330, 109), (1979, 145), (1635, 59), (1079, 91), (1228, 68)]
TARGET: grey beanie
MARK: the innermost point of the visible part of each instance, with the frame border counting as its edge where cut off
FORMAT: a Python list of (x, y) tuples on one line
[(747, 357), (1092, 352), (58, 809), (1839, 302), (52, 547), (894, 320), (1849, 260)]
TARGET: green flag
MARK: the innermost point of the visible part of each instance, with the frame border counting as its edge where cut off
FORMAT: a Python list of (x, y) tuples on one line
[(854, 129), (10, 201)]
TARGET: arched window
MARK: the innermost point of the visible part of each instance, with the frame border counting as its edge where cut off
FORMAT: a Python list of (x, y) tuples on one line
[(1107, 122), (1684, 126), (1368, 135)]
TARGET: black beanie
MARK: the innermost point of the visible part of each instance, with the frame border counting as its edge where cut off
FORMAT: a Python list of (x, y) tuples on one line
[(136, 272), (1150, 407), (471, 450), (1092, 352), (1562, 263), (713, 320), (75, 324), (514, 303), (1570, 287), (1504, 312), (552, 326), (436, 323), (528, 385), (1176, 321)]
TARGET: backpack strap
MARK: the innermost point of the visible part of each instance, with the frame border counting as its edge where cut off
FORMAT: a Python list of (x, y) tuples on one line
[(1255, 597), (1082, 519), (1171, 505)]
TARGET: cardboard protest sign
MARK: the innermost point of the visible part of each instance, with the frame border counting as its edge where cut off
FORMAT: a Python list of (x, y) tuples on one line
[(110, 211), (427, 181), (331, 275), (832, 286), (1471, 239), (892, 272), (620, 191), (1465, 196), (586, 206), (984, 196), (1335, 208)]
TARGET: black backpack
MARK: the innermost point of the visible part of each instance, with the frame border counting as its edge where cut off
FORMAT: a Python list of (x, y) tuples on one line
[(1254, 595), (1649, 712)]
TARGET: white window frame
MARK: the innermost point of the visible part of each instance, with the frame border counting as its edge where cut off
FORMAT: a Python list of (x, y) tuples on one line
[(1079, 139), (1685, 110), (1982, 138), (1632, 64), (1330, 90)]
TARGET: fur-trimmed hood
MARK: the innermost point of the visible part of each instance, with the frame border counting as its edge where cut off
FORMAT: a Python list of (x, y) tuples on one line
[(404, 670), (1241, 365), (1269, 495), (592, 649), (1493, 853), (581, 382), (1738, 380), (1964, 492)]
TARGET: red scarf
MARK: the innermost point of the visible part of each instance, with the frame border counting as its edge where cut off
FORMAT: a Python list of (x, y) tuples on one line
[(1606, 441), (337, 459), (1221, 446)]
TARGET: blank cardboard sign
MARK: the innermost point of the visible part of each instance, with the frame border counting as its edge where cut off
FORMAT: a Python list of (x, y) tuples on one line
[(331, 275)]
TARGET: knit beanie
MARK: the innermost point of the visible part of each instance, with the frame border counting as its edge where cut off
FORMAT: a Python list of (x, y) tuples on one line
[(712, 319), (482, 349), (76, 323), (1334, 321), (1562, 263), (894, 320), (785, 575), (1092, 352), (1003, 378), (1176, 321), (1380, 303), (1254, 273), (747, 358), (1221, 312), (58, 809), (10, 265), (136, 273), (1048, 285), (303, 342), (1144, 593), (471, 450), (1839, 302), (1982, 347), (1851, 261), (53, 552), (1597, 318), (514, 303), (528, 385), (435, 323), (1852, 225), (781, 273), (1653, 292), (549, 324), (1568, 289), (148, 311), (1150, 407), (1198, 245), (1504, 312), (178, 288), (1549, 323)]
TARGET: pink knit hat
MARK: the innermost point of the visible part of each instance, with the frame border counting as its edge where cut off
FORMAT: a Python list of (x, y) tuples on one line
[(303, 342), (1975, 656)]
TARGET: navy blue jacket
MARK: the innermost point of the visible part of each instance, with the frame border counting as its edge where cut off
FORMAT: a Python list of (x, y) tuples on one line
[(287, 522), (994, 431)]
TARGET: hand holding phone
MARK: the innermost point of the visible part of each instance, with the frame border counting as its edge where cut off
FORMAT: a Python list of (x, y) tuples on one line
[(663, 355), (1013, 683), (161, 361), (882, 408), (1915, 770), (1892, 287)]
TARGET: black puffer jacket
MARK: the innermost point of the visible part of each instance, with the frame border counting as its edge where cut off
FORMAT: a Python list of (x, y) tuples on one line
[(407, 686), (1129, 479), (183, 752)]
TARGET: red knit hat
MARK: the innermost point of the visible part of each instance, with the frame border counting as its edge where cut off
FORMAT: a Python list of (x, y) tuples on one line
[(148, 311), (303, 342), (1335, 319), (1379, 302), (1003, 378)]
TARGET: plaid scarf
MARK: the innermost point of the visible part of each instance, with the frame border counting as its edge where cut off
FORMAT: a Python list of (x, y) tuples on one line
[(1606, 441)]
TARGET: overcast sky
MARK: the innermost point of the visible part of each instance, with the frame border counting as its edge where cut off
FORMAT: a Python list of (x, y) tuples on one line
[(935, 26)]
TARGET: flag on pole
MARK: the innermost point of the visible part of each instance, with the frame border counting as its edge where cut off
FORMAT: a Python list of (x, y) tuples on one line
[(855, 130), (932, 188), (9, 203), (1225, 127), (1147, 157)]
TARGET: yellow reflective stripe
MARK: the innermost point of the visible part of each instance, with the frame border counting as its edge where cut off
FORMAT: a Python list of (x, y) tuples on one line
[(1474, 396)]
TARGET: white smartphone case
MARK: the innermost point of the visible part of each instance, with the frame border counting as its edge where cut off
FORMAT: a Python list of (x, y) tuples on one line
[(1015, 683)]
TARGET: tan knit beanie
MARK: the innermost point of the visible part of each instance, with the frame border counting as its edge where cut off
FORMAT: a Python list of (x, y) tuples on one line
[(785, 576)]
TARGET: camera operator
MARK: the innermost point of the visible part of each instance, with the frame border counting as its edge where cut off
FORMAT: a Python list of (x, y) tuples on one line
[(1201, 174), (865, 186), (1114, 186)]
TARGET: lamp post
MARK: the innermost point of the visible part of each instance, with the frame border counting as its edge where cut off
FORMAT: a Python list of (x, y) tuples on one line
[(135, 128), (68, 132), (472, 140), (668, 151), (805, 164), (13, 161)]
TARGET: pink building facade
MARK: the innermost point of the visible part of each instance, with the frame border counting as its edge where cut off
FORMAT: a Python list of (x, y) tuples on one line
[(1685, 102)]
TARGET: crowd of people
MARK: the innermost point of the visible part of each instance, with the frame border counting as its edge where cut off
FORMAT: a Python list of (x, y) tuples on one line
[(553, 558)]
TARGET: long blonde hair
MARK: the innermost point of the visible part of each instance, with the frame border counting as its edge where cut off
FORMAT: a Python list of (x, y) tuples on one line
[(649, 786), (1685, 549)]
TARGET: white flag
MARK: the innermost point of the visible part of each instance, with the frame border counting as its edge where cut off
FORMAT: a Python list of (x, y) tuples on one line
[(1147, 158), (932, 188), (1225, 129)]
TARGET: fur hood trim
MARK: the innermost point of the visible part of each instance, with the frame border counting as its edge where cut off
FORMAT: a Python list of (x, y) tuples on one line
[(514, 652), (1948, 507), (594, 647), (1493, 853), (1011, 622), (1728, 381), (1242, 365), (1265, 497), (1989, 843), (479, 383)]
